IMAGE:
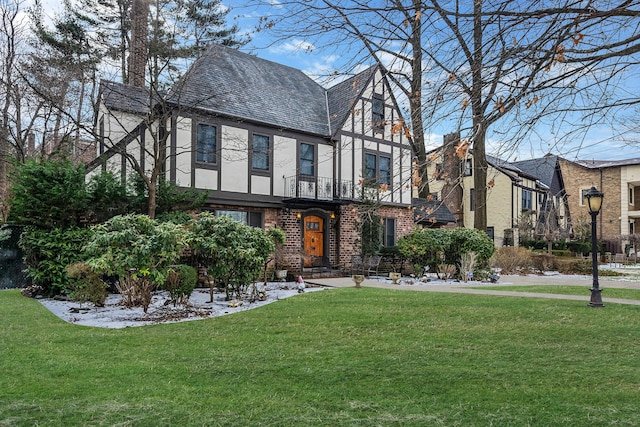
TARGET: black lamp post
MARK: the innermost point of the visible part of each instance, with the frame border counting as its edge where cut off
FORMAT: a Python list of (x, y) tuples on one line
[(594, 203)]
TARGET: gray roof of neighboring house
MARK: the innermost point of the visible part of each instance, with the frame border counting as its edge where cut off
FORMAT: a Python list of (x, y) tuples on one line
[(507, 167), (601, 164), (343, 95), (431, 212), (123, 97), (545, 169), (232, 83)]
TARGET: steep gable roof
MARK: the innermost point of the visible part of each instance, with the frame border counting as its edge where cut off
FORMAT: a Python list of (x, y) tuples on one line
[(546, 169), (342, 96), (232, 83)]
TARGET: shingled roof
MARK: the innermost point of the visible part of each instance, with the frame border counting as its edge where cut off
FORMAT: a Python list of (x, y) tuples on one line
[(232, 83), (432, 213), (123, 97), (545, 169), (343, 95)]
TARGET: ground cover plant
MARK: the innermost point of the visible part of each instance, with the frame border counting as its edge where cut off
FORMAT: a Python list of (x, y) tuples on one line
[(346, 357), (571, 290)]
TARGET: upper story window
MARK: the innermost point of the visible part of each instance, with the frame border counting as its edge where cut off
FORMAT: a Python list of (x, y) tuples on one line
[(206, 144), (377, 113), (468, 167), (631, 202), (527, 200), (307, 159), (385, 170), (370, 168), (377, 169), (260, 152), (439, 175)]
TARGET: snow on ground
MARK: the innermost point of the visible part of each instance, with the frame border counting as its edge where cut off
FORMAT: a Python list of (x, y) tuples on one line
[(114, 315)]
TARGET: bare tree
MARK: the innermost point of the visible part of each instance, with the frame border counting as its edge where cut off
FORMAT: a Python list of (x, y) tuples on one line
[(481, 69)]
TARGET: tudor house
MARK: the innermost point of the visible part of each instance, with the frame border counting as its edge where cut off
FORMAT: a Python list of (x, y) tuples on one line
[(517, 201), (274, 148)]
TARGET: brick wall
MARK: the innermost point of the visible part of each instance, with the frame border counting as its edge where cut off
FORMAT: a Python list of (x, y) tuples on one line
[(350, 235), (606, 180)]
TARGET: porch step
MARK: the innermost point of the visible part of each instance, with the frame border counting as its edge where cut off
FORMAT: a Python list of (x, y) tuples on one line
[(319, 272)]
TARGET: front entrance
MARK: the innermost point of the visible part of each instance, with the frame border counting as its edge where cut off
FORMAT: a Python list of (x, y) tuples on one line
[(313, 241)]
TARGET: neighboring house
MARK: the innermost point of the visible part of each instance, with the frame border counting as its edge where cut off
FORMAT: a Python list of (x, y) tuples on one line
[(273, 147), (554, 221), (619, 181), (514, 197)]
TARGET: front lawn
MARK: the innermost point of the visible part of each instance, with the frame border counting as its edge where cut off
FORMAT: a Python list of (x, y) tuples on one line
[(343, 357)]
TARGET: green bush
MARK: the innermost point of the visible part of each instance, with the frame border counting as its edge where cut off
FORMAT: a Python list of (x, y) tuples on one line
[(86, 285), (47, 253), (180, 283), (233, 253), (138, 250), (424, 247), (561, 252)]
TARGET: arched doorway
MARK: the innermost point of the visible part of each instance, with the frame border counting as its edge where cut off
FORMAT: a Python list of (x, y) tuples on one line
[(313, 229)]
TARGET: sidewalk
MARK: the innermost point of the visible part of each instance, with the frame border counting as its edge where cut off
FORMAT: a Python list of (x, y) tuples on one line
[(477, 288)]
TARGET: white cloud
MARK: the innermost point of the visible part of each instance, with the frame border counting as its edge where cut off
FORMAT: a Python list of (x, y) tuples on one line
[(295, 45)]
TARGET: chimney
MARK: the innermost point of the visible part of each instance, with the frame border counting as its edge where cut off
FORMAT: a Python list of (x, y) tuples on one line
[(138, 53)]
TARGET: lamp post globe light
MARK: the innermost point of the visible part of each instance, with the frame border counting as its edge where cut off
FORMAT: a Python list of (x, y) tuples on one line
[(594, 203)]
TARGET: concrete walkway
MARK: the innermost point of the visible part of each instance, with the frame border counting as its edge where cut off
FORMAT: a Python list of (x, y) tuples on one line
[(477, 288)]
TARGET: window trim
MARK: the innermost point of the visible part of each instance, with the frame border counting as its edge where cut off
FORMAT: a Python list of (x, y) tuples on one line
[(199, 163), (385, 241), (251, 216), (529, 199), (467, 168), (314, 160), (378, 121), (254, 169), (376, 181)]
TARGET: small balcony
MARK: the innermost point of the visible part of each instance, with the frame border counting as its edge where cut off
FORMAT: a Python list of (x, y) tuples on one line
[(318, 188)]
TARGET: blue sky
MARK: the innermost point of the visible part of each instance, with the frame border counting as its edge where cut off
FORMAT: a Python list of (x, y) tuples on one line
[(608, 142)]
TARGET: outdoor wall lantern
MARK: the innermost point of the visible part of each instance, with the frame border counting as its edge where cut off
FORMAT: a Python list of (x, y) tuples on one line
[(594, 203)]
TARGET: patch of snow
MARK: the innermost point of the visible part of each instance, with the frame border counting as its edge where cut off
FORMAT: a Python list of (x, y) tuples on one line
[(114, 315)]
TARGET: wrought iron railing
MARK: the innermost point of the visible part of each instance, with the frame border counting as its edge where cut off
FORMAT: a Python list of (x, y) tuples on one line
[(318, 188)]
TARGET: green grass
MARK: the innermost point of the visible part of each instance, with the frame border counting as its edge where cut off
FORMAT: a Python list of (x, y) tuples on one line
[(347, 357), (570, 290)]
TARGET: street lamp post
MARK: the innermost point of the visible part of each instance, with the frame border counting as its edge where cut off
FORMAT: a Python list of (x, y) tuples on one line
[(594, 203)]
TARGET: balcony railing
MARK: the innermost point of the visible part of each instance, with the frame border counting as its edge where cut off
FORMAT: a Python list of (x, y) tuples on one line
[(318, 188)]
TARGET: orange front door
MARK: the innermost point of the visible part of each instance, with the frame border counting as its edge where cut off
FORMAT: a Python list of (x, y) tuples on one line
[(313, 240)]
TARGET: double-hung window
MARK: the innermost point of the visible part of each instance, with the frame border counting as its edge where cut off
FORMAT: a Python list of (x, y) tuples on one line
[(206, 144), (377, 169), (527, 200), (307, 159), (260, 153), (370, 168)]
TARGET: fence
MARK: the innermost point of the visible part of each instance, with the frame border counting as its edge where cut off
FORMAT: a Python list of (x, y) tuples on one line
[(12, 274)]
